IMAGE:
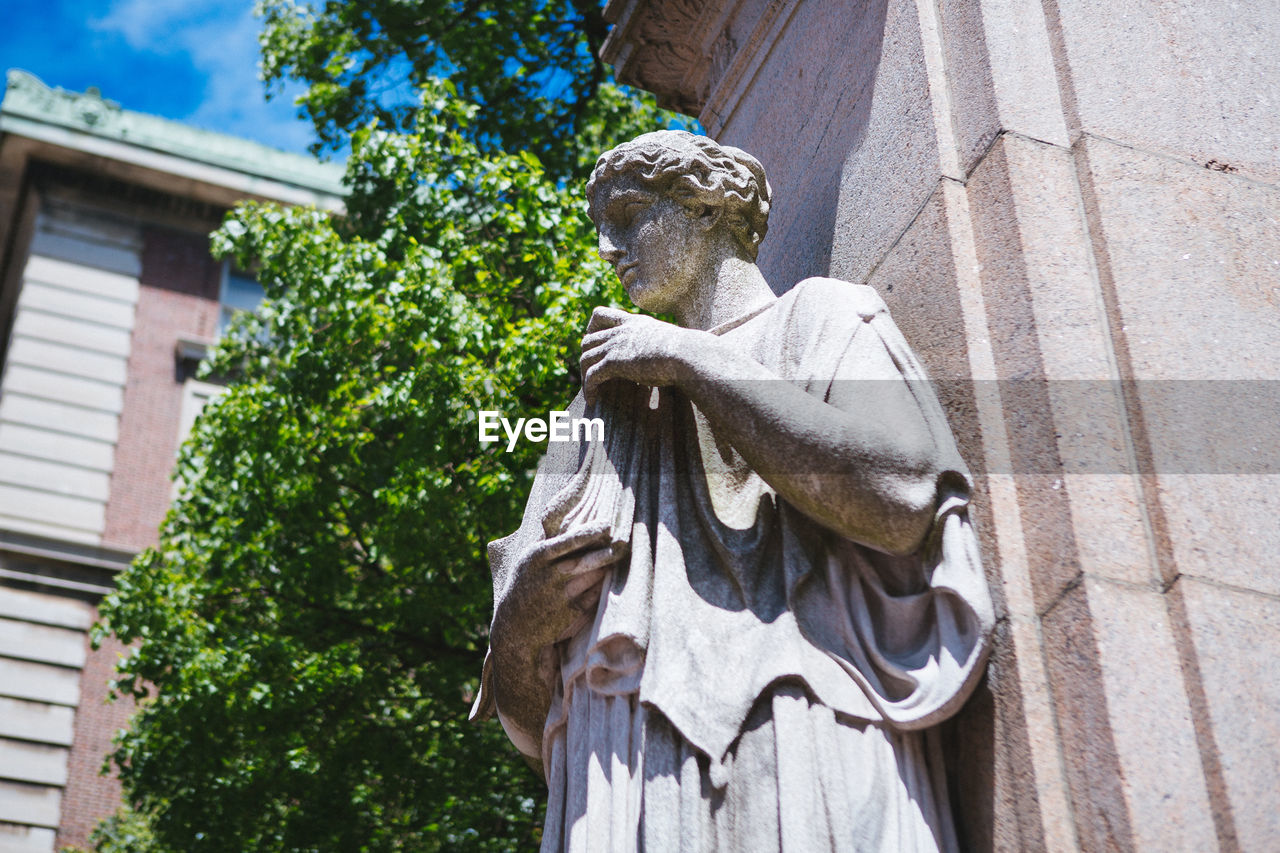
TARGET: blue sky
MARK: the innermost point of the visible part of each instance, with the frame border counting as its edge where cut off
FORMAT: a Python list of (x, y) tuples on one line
[(191, 60)]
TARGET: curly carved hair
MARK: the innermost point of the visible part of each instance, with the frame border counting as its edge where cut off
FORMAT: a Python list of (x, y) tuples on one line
[(698, 173)]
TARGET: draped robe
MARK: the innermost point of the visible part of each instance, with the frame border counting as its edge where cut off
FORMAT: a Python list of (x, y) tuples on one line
[(734, 637)]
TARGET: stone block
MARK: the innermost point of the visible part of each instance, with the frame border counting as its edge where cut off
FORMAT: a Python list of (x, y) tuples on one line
[(1132, 756), (1224, 527), (1190, 78), (45, 609), (1069, 450), (1015, 44), (1080, 398), (975, 117), (35, 722), (15, 838), (892, 165), (1020, 391), (990, 770), (824, 67), (850, 178), (33, 762), (1088, 745), (1236, 636), (918, 282), (32, 805), (41, 682), (1194, 258), (42, 643)]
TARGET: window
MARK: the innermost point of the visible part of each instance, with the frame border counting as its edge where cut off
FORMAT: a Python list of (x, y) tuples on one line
[(239, 292), (195, 394)]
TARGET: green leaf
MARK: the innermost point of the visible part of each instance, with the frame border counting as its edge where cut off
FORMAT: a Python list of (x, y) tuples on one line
[(309, 630)]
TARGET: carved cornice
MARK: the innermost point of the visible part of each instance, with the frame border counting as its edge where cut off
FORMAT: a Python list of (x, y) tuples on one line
[(697, 56), (655, 45), (28, 103)]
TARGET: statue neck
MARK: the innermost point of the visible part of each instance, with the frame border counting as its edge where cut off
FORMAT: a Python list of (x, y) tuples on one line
[(732, 287)]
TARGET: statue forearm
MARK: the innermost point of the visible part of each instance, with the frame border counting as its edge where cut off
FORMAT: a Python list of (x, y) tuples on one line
[(869, 475)]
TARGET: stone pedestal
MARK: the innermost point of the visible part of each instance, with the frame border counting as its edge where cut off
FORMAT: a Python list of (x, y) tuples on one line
[(1071, 208)]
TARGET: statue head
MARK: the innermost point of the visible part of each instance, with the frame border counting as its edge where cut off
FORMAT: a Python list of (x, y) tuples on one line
[(697, 173)]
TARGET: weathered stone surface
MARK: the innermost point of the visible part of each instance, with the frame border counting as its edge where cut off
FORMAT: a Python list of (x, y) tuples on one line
[(917, 281), (43, 643), (1161, 773), (20, 679), (33, 805), (991, 778), (891, 166), (1136, 783), (1089, 749), (45, 609), (1016, 45), (1022, 392), (35, 721), (36, 763), (25, 839), (1107, 227), (1237, 643), (1064, 402), (1193, 79), (1194, 258), (974, 112), (842, 201)]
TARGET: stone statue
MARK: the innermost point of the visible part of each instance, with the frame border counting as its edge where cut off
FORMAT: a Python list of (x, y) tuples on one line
[(728, 625)]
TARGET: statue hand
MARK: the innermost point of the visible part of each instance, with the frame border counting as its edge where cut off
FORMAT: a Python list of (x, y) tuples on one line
[(560, 579), (571, 565), (635, 347)]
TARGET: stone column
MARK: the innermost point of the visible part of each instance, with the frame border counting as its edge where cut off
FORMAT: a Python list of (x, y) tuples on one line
[(1071, 208)]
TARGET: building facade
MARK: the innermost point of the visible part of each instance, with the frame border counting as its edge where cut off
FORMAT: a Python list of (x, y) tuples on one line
[(1072, 209), (108, 299)]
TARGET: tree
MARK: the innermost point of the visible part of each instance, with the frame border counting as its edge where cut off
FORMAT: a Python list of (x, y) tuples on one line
[(309, 629), (532, 67)]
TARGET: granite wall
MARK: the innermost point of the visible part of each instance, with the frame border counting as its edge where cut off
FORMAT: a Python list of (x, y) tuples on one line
[(1071, 209)]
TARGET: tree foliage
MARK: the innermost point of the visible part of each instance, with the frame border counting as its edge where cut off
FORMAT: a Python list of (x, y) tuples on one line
[(309, 629), (531, 66)]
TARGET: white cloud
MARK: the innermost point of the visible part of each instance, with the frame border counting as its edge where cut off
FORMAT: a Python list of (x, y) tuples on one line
[(145, 24), (220, 37)]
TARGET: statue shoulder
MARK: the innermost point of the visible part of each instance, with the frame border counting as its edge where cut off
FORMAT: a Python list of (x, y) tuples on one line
[(833, 295)]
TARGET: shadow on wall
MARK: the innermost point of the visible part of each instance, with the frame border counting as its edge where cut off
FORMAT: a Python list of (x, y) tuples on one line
[(846, 132), (841, 117), (817, 111)]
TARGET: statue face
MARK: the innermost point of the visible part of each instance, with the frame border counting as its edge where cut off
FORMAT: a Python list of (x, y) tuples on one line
[(654, 244)]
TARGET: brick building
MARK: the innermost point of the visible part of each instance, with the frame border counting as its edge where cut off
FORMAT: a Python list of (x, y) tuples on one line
[(108, 298)]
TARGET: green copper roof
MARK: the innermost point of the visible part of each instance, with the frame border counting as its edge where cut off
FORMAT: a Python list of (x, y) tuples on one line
[(27, 97)]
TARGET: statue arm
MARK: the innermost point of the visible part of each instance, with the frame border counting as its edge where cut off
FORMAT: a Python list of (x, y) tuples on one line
[(866, 468)]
